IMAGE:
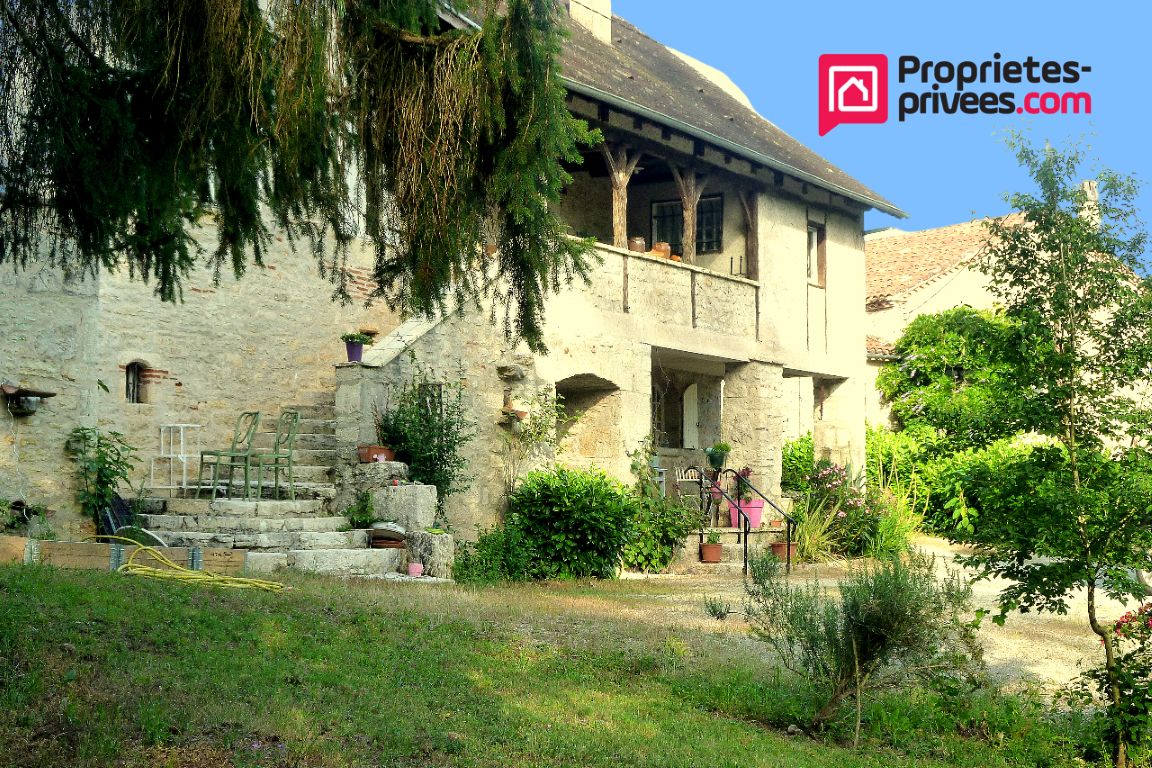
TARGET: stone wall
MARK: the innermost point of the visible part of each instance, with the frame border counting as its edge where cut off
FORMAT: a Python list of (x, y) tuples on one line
[(49, 341), (261, 343)]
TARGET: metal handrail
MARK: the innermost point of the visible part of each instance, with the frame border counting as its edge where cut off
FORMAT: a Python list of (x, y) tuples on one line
[(746, 522), (790, 522)]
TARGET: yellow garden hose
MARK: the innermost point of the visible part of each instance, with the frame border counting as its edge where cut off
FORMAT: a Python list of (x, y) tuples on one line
[(174, 572)]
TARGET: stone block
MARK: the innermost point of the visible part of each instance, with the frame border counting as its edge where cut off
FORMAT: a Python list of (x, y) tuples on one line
[(12, 549), (347, 562), (435, 550), (266, 562), (352, 479), (412, 506)]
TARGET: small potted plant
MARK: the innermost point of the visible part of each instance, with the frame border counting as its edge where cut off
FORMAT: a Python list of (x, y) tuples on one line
[(711, 550), (354, 343), (718, 454), (752, 507)]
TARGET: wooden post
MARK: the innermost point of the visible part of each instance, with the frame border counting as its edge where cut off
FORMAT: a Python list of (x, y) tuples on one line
[(749, 200), (621, 166), (691, 186)]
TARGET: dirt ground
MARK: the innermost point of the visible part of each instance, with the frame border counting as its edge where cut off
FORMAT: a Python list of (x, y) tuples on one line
[(1048, 650)]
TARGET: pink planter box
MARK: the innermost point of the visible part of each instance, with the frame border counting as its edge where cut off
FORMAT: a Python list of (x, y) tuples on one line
[(754, 509)]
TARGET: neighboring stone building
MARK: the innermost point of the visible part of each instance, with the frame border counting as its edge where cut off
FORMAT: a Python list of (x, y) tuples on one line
[(754, 334), (917, 273)]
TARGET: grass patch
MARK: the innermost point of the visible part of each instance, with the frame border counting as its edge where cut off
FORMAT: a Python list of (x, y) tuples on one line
[(99, 669)]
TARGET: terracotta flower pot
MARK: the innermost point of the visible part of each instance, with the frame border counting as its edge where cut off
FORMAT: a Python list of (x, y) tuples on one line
[(780, 550), (711, 553), (415, 569), (371, 453)]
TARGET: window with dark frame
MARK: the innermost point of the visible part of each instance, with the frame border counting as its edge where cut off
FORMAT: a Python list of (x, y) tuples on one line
[(134, 382), (817, 258), (668, 224)]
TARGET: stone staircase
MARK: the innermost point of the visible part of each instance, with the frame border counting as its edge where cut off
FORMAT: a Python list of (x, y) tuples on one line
[(309, 533), (687, 559)]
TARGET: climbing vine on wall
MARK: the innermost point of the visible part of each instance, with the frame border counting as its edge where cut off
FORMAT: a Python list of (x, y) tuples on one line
[(126, 124)]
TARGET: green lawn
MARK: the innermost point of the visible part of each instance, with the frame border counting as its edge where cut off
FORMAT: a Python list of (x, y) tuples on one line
[(99, 669)]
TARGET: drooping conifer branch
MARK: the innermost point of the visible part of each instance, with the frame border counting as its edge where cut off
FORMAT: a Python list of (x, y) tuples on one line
[(125, 121)]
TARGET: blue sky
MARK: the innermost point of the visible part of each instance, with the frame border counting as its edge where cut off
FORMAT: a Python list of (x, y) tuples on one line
[(940, 169)]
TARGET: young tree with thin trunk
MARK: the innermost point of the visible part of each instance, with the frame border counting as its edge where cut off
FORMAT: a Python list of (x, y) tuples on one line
[(1067, 277)]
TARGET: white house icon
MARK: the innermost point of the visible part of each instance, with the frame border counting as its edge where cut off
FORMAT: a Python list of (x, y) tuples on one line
[(862, 80)]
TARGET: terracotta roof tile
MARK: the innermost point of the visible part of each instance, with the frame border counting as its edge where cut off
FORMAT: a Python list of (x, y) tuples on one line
[(877, 346), (897, 263)]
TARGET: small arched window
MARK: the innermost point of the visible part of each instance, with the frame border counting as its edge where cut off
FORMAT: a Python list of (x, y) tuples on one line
[(134, 383)]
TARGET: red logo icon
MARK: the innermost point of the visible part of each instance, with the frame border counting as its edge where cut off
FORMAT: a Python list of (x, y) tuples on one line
[(853, 89)]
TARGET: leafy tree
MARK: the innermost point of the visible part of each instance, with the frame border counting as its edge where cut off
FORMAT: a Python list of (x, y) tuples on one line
[(123, 123), (955, 377), (1066, 279)]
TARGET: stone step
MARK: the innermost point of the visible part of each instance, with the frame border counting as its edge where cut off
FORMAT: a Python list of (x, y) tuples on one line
[(226, 524), (305, 490), (348, 562), (303, 473), (313, 457), (314, 411), (316, 443), (316, 426), (735, 569), (269, 542), (266, 508)]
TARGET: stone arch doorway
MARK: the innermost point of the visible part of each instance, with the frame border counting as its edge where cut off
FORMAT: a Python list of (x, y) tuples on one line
[(593, 437)]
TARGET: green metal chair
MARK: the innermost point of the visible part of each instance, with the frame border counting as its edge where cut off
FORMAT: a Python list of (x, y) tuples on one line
[(280, 457), (238, 455)]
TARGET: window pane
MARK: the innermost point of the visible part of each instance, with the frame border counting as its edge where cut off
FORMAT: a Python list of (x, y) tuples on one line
[(710, 224), (668, 224)]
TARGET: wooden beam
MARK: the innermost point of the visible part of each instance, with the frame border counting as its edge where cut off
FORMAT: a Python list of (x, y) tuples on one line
[(749, 203), (691, 185), (621, 162)]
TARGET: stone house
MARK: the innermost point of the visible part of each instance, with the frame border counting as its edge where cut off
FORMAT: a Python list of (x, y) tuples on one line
[(917, 273), (751, 335)]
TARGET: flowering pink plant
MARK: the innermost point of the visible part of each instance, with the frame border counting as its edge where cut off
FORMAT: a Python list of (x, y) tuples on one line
[(742, 489), (1135, 625)]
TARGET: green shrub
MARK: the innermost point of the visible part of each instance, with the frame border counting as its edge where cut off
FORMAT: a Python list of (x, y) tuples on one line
[(103, 462), (498, 554), (660, 523), (1132, 722), (893, 458), (427, 425), (896, 521), (796, 464), (575, 523), (816, 535), (658, 530), (891, 622), (1004, 473), (363, 512)]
